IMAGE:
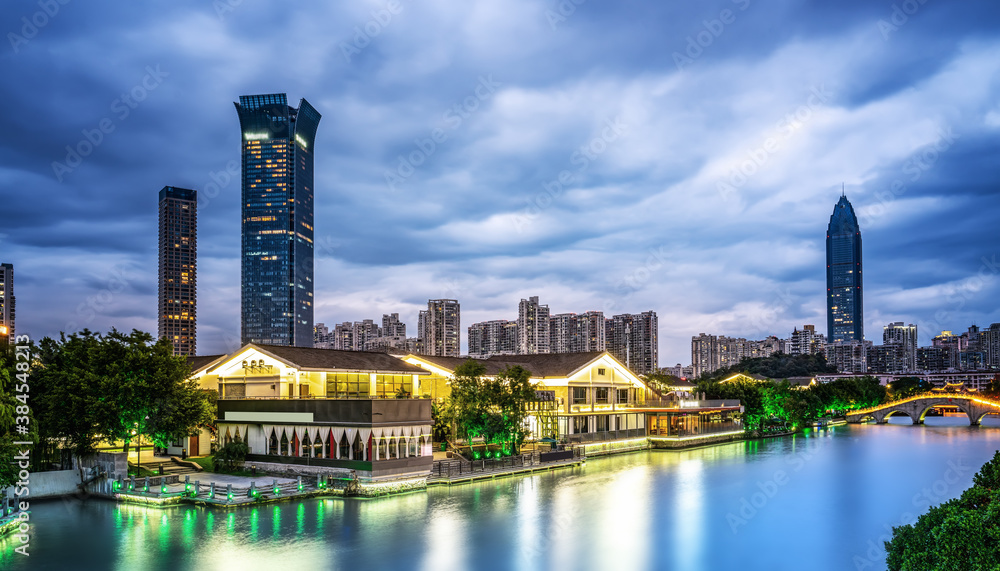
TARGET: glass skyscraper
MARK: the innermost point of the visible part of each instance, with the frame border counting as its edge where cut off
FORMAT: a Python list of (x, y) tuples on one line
[(844, 290), (277, 191)]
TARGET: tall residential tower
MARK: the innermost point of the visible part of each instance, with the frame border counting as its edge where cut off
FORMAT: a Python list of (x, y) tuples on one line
[(277, 191), (178, 261), (7, 302), (844, 292)]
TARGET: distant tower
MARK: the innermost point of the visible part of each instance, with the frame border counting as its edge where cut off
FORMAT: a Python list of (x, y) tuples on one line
[(532, 327), (178, 253), (7, 302), (844, 291), (277, 190), (440, 334)]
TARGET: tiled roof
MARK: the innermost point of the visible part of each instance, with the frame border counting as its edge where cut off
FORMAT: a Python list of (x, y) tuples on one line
[(198, 362), (334, 359), (546, 365)]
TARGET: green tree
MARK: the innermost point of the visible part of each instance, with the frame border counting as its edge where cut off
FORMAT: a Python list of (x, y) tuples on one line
[(905, 387), (958, 535), (14, 403), (491, 408), (114, 387), (231, 457)]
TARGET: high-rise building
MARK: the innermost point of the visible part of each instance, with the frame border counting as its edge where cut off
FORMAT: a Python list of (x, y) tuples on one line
[(848, 356), (343, 336), (532, 327), (322, 339), (277, 191), (363, 332), (904, 337), (392, 326), (633, 340), (577, 333), (844, 289), (6, 302), (805, 341), (441, 328), (178, 262), (489, 338)]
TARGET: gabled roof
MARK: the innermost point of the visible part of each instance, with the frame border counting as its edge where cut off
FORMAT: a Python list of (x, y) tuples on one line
[(335, 359), (545, 365), (199, 363)]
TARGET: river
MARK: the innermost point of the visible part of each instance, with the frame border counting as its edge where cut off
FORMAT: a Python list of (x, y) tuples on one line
[(820, 501)]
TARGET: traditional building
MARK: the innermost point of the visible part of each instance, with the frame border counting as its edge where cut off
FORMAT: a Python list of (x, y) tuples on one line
[(582, 396), (324, 411)]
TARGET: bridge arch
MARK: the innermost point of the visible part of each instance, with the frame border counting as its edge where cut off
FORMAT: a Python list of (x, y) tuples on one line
[(892, 413), (957, 404)]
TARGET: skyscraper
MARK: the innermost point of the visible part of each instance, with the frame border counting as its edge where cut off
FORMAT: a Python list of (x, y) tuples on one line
[(844, 292), (277, 191), (490, 338), (178, 266), (905, 337), (532, 327), (441, 328), (7, 302)]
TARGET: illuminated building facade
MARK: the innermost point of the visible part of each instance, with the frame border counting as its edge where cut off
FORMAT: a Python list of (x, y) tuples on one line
[(277, 244), (844, 289), (178, 261), (633, 340), (6, 302), (439, 328)]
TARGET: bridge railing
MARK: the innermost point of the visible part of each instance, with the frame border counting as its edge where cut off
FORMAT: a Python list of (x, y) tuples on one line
[(975, 398)]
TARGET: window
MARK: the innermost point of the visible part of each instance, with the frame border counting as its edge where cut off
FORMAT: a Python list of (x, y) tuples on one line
[(392, 386), (348, 385), (580, 424), (601, 395), (603, 423), (601, 372), (623, 395), (579, 395)]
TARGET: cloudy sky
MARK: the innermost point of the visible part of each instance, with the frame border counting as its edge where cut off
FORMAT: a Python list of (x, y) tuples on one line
[(619, 156)]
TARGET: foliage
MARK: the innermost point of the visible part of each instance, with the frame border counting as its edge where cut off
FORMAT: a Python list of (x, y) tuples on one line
[(231, 456), (9, 403), (493, 408), (906, 387), (776, 366), (958, 535), (91, 388), (768, 402), (441, 417)]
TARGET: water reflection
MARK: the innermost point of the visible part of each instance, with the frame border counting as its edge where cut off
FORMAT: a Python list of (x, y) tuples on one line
[(656, 509)]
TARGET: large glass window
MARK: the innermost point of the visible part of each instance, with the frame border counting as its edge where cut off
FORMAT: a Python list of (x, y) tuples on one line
[(348, 385), (393, 386), (580, 425), (601, 395), (623, 395), (579, 395)]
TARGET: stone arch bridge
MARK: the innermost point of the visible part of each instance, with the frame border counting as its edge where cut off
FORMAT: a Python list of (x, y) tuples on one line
[(916, 408)]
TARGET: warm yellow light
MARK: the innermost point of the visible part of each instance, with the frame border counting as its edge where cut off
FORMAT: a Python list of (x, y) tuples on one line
[(3, 329)]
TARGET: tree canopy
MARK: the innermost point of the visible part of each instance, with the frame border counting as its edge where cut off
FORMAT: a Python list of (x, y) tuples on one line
[(90, 388), (958, 535), (491, 408), (776, 366)]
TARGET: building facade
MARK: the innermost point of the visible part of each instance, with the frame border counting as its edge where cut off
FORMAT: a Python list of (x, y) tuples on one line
[(848, 356), (178, 268), (323, 411), (277, 224), (905, 338), (806, 341), (577, 333), (533, 335), (392, 326), (440, 328), (844, 284), (489, 338), (634, 340), (7, 302)]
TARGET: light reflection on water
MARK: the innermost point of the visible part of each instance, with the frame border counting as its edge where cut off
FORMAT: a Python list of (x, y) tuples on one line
[(816, 501)]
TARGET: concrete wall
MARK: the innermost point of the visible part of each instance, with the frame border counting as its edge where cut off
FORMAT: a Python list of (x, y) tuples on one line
[(53, 484)]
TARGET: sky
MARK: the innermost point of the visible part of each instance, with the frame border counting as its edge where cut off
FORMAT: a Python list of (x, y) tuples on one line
[(618, 156)]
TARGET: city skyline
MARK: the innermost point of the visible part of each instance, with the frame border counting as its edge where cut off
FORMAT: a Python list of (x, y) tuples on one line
[(657, 211)]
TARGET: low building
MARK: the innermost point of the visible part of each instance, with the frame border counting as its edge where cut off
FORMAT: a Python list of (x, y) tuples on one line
[(582, 396), (323, 411)]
